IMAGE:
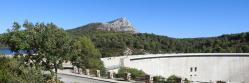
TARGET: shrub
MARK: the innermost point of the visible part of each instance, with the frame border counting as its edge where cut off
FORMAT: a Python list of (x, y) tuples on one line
[(174, 79), (13, 71), (135, 73), (221, 82), (158, 79), (186, 80)]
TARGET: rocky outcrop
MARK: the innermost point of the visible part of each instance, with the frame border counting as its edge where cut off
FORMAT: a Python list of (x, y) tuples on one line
[(118, 25)]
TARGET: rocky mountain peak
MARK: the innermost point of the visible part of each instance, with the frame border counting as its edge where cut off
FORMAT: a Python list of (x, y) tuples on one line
[(121, 21), (118, 25)]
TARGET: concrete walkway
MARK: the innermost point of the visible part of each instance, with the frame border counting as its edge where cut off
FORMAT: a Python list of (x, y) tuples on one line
[(68, 77), (78, 79)]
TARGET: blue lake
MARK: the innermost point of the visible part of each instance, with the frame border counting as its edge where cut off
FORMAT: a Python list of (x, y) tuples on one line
[(6, 51)]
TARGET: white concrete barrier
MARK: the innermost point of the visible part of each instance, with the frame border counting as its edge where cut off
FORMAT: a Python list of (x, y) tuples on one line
[(110, 75), (87, 72), (97, 73), (80, 70), (203, 67)]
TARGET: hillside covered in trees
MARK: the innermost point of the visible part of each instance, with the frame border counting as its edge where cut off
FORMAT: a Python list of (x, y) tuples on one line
[(116, 43)]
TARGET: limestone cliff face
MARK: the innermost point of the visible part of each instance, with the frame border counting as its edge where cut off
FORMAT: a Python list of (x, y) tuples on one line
[(118, 25)]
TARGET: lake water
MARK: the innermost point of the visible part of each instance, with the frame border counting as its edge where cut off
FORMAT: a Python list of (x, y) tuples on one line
[(6, 51)]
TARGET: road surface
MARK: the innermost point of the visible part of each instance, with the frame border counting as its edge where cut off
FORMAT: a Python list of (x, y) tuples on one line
[(76, 79)]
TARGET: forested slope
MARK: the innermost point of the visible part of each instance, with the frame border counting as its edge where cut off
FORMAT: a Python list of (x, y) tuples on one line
[(116, 43)]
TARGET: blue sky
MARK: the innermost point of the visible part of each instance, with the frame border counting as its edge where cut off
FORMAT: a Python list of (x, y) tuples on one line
[(174, 18)]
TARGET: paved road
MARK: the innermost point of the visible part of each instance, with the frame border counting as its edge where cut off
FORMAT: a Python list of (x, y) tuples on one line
[(76, 79)]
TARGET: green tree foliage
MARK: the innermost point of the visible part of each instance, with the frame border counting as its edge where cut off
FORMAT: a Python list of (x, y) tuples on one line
[(134, 73), (45, 44), (14, 38), (85, 55), (158, 79), (2, 45), (115, 43), (13, 71), (173, 79)]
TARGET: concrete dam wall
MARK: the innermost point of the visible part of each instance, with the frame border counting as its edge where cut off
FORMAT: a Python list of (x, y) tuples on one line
[(202, 67)]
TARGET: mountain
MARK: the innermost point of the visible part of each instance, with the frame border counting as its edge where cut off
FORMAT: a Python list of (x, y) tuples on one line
[(114, 38), (118, 25)]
